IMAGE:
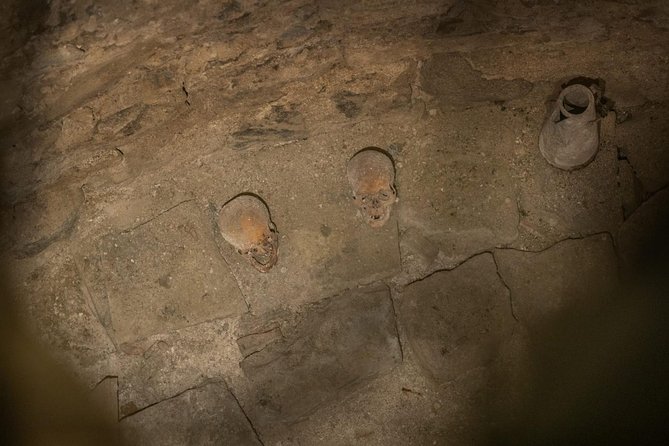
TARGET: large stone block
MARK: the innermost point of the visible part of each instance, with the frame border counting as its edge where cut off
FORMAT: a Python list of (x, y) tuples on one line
[(455, 321), (161, 275), (53, 299), (208, 415), (571, 272), (456, 184), (334, 346), (40, 219), (643, 139), (164, 365), (643, 240)]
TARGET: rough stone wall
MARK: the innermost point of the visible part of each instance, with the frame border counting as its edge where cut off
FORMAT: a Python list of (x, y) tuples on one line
[(124, 126)]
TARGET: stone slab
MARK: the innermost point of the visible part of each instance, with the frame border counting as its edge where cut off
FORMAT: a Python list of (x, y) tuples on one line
[(570, 272), (54, 301), (418, 254), (400, 408), (334, 347), (452, 80), (456, 183), (455, 321), (643, 240), (105, 395), (164, 365), (207, 415), (643, 139), (105, 399), (162, 275), (36, 221)]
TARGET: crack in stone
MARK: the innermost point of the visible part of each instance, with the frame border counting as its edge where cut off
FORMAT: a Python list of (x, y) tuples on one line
[(195, 387), (254, 352), (519, 209), (491, 251), (397, 324), (583, 237), (449, 268), (652, 194), (177, 395), (34, 248), (508, 288), (562, 240), (125, 231), (255, 333), (148, 350), (264, 347), (248, 419), (399, 242), (90, 302)]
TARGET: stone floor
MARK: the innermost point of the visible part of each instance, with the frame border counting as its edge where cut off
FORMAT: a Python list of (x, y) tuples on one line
[(125, 126)]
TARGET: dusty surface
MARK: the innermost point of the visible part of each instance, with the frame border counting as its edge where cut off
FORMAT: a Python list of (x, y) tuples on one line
[(191, 281), (208, 415), (125, 126)]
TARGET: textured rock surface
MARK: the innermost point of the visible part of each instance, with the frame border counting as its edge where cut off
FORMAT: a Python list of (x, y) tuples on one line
[(208, 415), (125, 126), (455, 320), (570, 273), (643, 139), (336, 346), (161, 275), (463, 198), (643, 241), (323, 246), (163, 365)]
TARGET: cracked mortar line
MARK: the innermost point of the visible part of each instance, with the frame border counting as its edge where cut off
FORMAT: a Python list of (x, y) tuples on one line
[(176, 395), (562, 240), (449, 268), (394, 291), (397, 323), (125, 231), (462, 262), (90, 302), (608, 235), (248, 419), (508, 288), (491, 251)]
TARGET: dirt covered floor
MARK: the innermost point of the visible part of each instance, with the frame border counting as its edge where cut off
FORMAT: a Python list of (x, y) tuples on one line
[(126, 125)]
